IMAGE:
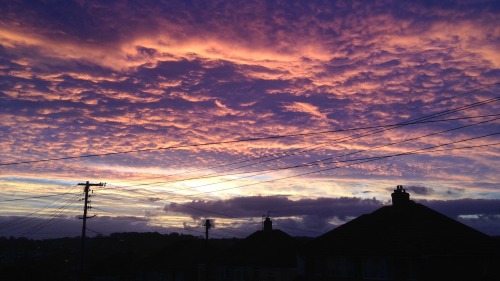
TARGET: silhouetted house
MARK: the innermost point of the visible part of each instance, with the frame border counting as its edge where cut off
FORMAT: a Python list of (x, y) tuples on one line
[(405, 241), (265, 255)]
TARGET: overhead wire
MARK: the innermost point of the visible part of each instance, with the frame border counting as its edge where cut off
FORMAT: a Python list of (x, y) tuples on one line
[(31, 223), (53, 216), (339, 140), (266, 171), (18, 220), (423, 119), (336, 167), (33, 197), (274, 157), (357, 161), (180, 145)]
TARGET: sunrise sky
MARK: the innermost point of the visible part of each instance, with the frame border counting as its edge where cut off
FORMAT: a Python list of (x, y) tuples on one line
[(177, 106)]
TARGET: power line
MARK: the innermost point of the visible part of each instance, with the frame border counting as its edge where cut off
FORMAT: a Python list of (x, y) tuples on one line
[(33, 197), (241, 140), (39, 221), (357, 161), (26, 219), (217, 174), (300, 150), (264, 171), (363, 161), (176, 147), (336, 167)]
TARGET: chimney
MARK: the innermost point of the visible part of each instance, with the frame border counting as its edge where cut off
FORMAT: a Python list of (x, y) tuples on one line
[(400, 197), (268, 224)]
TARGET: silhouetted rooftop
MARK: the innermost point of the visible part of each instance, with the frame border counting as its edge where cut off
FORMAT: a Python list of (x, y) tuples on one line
[(405, 228), (268, 247)]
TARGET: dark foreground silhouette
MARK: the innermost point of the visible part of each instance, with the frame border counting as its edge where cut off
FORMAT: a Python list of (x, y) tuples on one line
[(405, 241)]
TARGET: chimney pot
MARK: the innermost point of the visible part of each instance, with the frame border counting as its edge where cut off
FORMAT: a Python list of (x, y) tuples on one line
[(400, 196), (268, 224)]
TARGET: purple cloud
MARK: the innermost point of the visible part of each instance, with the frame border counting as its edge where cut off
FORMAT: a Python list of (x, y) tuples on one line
[(278, 206), (420, 190)]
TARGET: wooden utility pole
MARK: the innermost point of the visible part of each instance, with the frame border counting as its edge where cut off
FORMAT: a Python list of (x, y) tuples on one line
[(86, 190), (207, 225)]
